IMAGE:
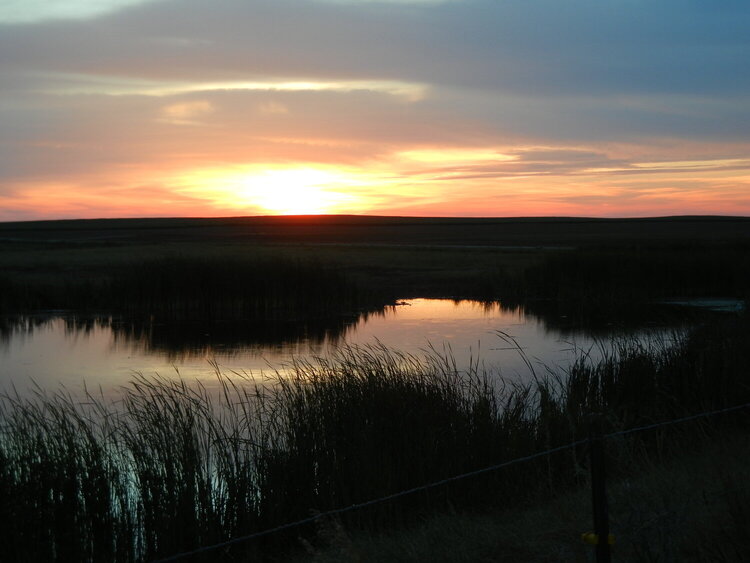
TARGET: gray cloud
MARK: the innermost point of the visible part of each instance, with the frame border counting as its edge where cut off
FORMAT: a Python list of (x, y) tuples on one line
[(540, 48), (567, 75)]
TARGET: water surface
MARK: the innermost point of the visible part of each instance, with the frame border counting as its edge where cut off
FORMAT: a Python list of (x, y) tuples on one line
[(62, 349)]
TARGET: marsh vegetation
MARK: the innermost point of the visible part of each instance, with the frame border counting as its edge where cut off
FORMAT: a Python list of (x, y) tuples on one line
[(179, 288), (169, 465)]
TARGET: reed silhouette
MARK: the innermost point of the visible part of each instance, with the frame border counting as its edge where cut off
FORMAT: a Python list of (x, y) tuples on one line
[(171, 466)]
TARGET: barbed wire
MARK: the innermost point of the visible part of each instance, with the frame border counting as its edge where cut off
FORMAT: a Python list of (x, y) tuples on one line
[(433, 484), (676, 420), (371, 502)]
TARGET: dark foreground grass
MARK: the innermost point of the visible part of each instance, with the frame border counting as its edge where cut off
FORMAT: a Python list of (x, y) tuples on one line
[(690, 506), (170, 467)]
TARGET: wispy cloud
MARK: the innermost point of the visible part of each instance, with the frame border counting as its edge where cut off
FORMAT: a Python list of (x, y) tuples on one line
[(80, 84), (30, 11), (455, 106), (186, 113)]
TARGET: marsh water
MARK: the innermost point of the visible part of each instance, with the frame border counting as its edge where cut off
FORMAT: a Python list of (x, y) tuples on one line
[(62, 349)]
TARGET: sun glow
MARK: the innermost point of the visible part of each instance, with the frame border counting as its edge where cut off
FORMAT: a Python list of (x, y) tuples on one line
[(283, 191), (294, 192)]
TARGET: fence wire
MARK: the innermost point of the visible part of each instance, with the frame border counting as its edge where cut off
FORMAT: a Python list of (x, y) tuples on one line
[(433, 484)]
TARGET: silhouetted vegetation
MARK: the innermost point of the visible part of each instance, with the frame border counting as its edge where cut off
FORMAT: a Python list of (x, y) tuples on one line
[(171, 466), (199, 289), (67, 264), (610, 281)]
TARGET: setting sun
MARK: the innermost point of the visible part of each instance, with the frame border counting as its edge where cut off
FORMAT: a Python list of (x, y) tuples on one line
[(294, 192), (276, 191)]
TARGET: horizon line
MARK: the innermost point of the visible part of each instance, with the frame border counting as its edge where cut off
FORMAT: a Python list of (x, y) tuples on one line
[(376, 216)]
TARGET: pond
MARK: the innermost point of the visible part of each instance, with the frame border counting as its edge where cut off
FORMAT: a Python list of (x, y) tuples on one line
[(61, 349)]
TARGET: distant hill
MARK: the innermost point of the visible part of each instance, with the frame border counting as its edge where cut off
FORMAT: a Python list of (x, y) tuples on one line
[(353, 229)]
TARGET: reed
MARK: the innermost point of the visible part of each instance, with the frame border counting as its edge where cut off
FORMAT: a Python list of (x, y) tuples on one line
[(206, 289), (197, 288), (582, 281), (169, 466)]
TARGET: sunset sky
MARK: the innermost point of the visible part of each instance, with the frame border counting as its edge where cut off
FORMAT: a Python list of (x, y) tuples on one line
[(156, 108)]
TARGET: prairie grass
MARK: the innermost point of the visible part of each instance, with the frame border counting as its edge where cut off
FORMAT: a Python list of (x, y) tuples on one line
[(590, 273), (170, 466)]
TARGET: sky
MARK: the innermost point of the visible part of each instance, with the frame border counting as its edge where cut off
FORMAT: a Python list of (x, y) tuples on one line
[(165, 108)]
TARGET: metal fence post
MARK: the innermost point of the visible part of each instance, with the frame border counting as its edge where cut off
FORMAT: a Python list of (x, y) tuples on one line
[(598, 490)]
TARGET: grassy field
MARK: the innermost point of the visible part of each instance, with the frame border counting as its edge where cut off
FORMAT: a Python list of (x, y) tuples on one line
[(386, 258), (372, 230)]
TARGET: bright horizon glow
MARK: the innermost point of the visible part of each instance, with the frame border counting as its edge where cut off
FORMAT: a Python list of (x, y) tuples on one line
[(423, 182), (276, 191)]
